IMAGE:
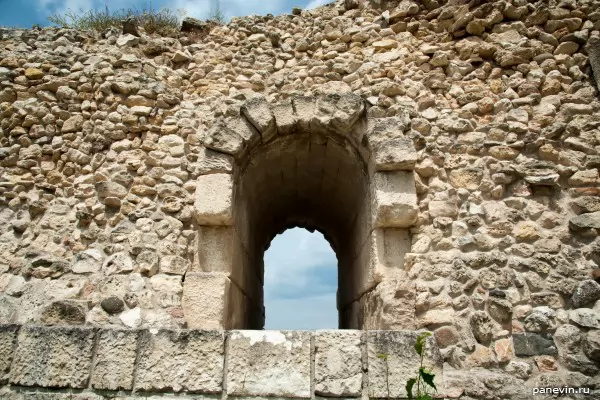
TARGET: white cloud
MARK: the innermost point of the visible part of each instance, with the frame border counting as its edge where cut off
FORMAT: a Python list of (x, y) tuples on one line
[(291, 257)]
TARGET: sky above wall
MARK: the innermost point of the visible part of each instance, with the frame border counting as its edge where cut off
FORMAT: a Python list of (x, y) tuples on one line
[(25, 13)]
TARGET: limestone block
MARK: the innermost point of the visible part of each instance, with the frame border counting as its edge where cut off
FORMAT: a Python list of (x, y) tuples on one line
[(305, 109), (393, 361), (53, 357), (115, 359), (214, 196), (259, 114), (394, 200), (269, 363), (336, 113), (184, 360), (285, 118), (394, 154), (214, 249), (204, 299), (222, 139), (338, 363), (8, 338)]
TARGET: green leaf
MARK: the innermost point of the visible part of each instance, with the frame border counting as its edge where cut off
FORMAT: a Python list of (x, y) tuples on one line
[(382, 355), (420, 344), (427, 377), (409, 386)]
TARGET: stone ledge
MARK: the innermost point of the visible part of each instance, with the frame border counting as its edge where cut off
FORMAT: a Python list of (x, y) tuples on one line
[(51, 362)]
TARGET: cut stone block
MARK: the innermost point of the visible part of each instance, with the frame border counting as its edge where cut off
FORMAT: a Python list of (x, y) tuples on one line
[(214, 249), (53, 357), (214, 195), (393, 361), (259, 114), (204, 299), (115, 359), (269, 363), (338, 363), (394, 200), (8, 338), (394, 154), (190, 361)]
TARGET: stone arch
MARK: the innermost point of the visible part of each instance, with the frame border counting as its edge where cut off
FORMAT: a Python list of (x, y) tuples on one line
[(312, 162)]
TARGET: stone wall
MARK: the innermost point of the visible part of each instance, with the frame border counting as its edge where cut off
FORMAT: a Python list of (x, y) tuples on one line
[(106, 140), (91, 363)]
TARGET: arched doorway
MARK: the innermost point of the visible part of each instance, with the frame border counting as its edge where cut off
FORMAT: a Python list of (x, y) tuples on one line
[(313, 163)]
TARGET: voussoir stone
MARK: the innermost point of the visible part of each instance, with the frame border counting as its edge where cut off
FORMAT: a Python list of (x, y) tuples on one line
[(269, 363), (338, 363), (57, 357), (185, 360), (259, 114)]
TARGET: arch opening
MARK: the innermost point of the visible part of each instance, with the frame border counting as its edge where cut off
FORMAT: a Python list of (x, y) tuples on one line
[(314, 163), (301, 281), (311, 181)]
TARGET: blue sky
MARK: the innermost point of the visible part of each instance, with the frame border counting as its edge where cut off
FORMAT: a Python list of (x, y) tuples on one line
[(300, 282), (25, 13)]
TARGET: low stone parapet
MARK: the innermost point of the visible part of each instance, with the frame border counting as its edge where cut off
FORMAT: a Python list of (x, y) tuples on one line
[(90, 363)]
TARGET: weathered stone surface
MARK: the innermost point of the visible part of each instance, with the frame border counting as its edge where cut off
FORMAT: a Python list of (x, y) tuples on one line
[(259, 114), (64, 312), (115, 359), (8, 339), (205, 299), (269, 363), (532, 344), (214, 196), (190, 361), (585, 317), (338, 363), (583, 221), (591, 345), (392, 361), (53, 357), (586, 293), (394, 200)]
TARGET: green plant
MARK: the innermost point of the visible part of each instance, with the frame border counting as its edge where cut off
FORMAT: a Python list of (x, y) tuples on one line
[(163, 22), (424, 379)]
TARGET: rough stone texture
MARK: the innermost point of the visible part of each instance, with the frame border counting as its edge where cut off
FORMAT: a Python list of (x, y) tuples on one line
[(392, 361), (115, 360), (190, 361), (213, 200), (8, 340), (57, 357), (271, 363), (338, 363), (490, 109), (531, 344)]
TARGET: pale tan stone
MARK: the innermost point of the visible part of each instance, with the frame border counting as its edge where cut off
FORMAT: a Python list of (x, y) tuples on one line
[(213, 205)]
